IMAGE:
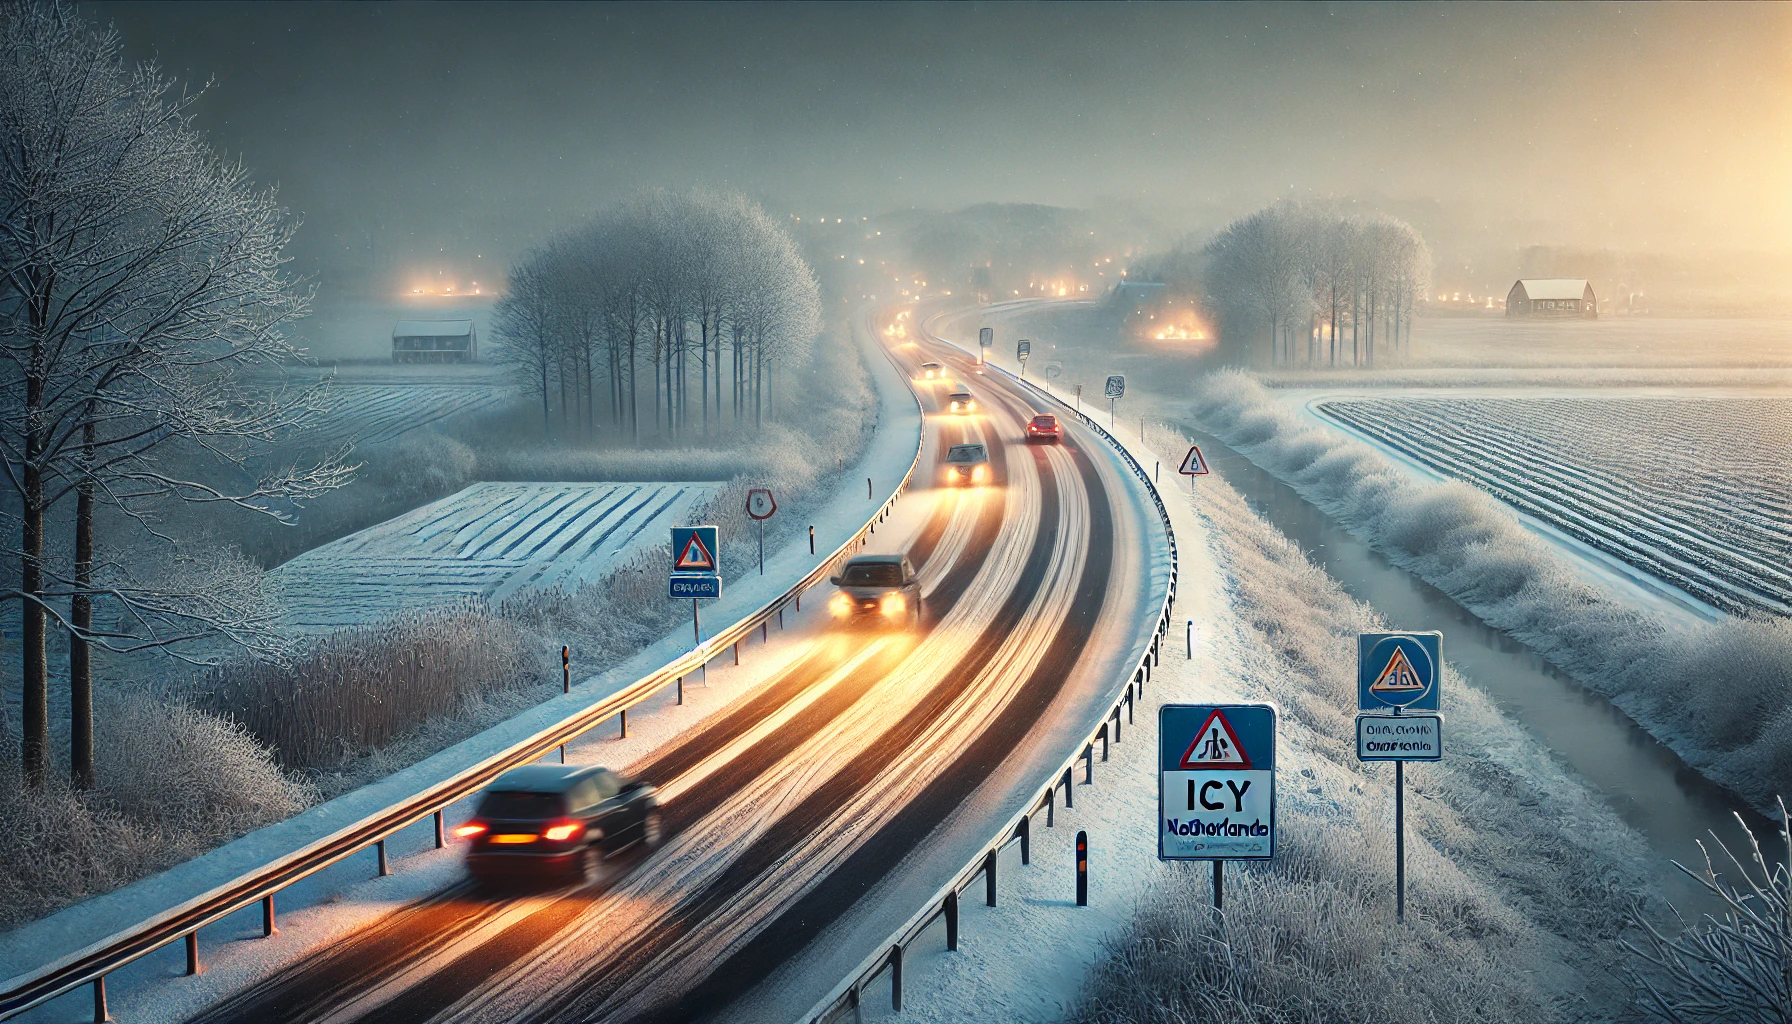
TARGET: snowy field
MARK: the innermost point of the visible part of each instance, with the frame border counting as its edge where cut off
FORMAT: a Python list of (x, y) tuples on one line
[(369, 412), (1611, 341), (490, 541), (1695, 491)]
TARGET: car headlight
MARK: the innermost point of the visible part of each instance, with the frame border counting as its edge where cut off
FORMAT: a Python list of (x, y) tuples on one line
[(841, 606), (978, 474), (954, 406), (895, 604)]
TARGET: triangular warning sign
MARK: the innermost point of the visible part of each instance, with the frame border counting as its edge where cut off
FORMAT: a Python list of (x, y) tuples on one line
[(1398, 677), (695, 557), (1216, 746), (1192, 463)]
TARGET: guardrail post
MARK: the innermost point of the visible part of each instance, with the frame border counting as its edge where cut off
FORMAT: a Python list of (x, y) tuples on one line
[(1051, 805), (1025, 831), (380, 852), (193, 967), (896, 977), (852, 1000), (267, 916), (1089, 764), (989, 878), (951, 921), (622, 721), (1104, 743), (1129, 703), (562, 753), (100, 1014), (737, 652), (1069, 786), (680, 691), (1082, 869), (780, 618), (441, 833), (1116, 717)]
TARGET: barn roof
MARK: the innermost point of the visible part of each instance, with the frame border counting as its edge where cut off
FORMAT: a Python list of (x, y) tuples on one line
[(1555, 287), (433, 329)]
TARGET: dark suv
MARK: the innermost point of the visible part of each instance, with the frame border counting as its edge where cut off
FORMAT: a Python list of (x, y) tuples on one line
[(557, 821), (884, 586)]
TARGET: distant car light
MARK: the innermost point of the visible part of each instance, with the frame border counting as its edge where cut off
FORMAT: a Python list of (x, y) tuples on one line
[(561, 833), (469, 830)]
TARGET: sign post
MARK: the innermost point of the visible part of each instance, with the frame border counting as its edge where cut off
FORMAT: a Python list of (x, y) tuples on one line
[(696, 572), (986, 340), (1399, 671), (1079, 397), (1022, 350), (1115, 390), (1216, 794), (760, 507)]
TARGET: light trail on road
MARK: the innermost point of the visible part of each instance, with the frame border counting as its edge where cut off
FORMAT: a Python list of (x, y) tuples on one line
[(786, 806)]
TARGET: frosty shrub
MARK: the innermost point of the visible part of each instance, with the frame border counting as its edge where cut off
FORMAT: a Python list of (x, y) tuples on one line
[(1733, 969), (174, 781), (358, 689), (1472, 547)]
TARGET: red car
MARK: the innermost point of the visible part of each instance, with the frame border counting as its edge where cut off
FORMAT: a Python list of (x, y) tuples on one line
[(1044, 427)]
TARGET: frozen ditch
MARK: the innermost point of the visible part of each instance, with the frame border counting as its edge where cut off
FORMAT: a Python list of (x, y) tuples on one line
[(1693, 491), (491, 541)]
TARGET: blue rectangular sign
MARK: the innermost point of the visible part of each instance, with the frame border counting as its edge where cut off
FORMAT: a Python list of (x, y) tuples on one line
[(1216, 797), (695, 584), (696, 549), (1398, 670)]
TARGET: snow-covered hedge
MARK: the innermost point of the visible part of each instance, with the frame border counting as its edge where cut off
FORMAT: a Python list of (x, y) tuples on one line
[(1719, 693)]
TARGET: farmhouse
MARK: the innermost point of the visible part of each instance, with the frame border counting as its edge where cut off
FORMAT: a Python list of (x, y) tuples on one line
[(434, 341), (1554, 298)]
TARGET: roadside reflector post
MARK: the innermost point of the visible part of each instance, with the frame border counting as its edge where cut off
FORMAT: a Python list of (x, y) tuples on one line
[(737, 652), (1069, 784), (680, 691), (1157, 471), (441, 833), (1191, 639), (1219, 888), (1025, 831), (267, 916), (380, 854), (565, 670), (867, 488), (622, 724), (562, 753), (896, 977), (989, 878), (952, 921), (100, 1014), (811, 545), (1082, 869)]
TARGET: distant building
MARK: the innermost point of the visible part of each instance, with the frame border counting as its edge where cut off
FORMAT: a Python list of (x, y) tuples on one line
[(434, 341), (1559, 298)]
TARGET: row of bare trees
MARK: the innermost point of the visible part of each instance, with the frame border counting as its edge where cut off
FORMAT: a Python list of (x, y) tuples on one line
[(1324, 288), (681, 284), (141, 285)]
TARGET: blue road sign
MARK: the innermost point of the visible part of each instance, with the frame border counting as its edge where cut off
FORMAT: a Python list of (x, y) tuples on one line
[(1216, 796), (695, 584), (1398, 670), (695, 549)]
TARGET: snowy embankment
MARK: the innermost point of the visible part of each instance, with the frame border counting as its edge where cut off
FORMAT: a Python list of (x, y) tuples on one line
[(1717, 692), (835, 516), (1518, 878)]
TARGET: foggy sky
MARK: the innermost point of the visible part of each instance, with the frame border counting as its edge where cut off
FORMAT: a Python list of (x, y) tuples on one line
[(444, 132)]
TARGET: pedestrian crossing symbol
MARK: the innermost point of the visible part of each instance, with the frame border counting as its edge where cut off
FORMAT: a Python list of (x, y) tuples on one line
[(694, 549), (1216, 746), (1398, 670), (1398, 677)]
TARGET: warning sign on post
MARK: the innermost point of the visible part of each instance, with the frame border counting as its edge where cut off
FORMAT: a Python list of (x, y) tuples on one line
[(694, 549), (1216, 781), (1398, 670)]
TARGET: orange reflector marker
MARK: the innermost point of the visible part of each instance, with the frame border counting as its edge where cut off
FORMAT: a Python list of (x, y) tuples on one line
[(468, 831), (513, 838)]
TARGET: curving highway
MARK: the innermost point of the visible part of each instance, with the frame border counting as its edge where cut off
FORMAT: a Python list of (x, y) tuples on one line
[(848, 770)]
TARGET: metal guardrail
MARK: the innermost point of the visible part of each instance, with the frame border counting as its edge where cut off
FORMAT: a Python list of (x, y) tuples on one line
[(846, 997), (91, 965)]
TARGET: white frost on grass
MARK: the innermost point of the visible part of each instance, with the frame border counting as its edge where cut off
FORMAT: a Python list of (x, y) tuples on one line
[(1718, 693), (490, 541)]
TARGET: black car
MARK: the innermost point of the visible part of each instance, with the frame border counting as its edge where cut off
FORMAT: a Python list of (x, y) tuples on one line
[(557, 821), (884, 587)]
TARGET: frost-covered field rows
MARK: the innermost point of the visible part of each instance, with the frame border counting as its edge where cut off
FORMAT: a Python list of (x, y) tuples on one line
[(490, 541), (1695, 491), (380, 411)]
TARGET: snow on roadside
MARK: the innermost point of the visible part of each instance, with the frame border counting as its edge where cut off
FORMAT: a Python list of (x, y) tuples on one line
[(1509, 842)]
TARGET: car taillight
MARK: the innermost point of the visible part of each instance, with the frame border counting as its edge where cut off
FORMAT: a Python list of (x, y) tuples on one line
[(469, 830), (895, 604), (561, 833)]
